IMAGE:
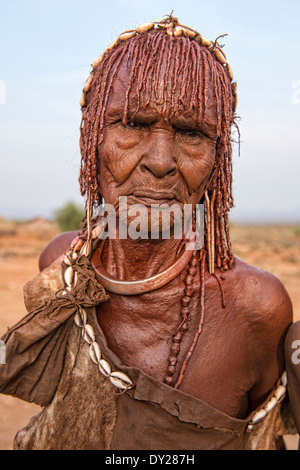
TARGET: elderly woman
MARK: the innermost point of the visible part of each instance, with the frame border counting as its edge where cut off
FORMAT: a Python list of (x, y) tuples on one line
[(143, 343)]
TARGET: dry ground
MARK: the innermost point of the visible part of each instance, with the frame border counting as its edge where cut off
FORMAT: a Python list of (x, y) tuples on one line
[(275, 249)]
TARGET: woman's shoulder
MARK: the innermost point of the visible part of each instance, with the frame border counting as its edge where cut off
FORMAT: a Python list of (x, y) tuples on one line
[(259, 297), (59, 245)]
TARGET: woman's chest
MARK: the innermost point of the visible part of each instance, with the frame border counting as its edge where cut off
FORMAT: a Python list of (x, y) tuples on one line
[(141, 331)]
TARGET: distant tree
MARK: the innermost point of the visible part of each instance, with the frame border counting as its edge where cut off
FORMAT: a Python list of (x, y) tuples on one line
[(69, 216)]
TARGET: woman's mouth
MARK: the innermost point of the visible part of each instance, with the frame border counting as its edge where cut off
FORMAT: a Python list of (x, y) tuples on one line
[(148, 197)]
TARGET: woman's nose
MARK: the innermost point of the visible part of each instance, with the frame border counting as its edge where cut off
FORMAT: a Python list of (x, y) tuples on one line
[(158, 157)]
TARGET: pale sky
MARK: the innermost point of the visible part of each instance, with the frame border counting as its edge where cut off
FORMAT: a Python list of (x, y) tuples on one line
[(46, 48)]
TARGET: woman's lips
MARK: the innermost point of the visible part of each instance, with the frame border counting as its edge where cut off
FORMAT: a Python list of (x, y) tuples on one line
[(150, 197)]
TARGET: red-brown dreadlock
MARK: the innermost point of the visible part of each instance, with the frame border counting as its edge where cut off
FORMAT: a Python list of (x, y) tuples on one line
[(196, 66)]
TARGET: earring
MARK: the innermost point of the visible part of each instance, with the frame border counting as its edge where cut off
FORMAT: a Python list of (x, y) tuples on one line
[(89, 221), (210, 230)]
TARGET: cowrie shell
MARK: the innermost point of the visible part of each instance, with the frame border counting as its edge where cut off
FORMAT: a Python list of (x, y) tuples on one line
[(259, 416), (95, 352), (83, 315), (84, 250), (145, 27), (177, 31), (125, 36), (220, 56), (120, 380), (271, 404), (230, 72), (163, 25), (104, 367), (113, 44), (280, 392), (235, 102), (66, 260), (122, 376), (88, 84), (78, 245), (77, 320), (88, 334), (98, 231), (284, 379), (170, 30), (189, 33), (205, 42), (97, 61), (69, 276), (83, 101)]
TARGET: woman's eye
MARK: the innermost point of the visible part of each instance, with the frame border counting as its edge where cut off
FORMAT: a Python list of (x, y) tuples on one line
[(188, 134), (133, 125), (192, 134)]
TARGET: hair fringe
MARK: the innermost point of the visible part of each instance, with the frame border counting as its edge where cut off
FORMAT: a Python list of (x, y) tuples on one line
[(196, 66)]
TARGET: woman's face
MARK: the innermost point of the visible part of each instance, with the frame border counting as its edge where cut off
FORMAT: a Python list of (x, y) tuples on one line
[(152, 160)]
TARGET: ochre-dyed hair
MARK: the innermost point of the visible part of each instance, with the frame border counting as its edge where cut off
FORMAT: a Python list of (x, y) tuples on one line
[(197, 65)]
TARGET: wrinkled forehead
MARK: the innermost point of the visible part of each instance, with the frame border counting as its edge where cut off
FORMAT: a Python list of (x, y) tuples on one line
[(172, 85)]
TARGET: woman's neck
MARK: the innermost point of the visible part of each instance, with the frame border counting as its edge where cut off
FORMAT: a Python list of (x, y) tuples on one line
[(139, 259)]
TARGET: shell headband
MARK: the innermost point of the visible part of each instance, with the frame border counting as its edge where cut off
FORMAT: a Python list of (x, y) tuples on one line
[(172, 27)]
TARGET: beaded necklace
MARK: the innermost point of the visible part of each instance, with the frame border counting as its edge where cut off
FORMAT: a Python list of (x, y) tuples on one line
[(188, 258)]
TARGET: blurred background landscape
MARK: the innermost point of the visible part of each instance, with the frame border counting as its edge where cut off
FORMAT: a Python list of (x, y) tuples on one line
[(46, 49)]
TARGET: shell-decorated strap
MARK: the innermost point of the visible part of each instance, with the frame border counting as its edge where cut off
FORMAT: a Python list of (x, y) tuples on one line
[(80, 247), (277, 397)]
